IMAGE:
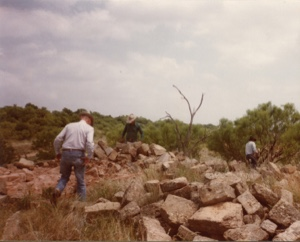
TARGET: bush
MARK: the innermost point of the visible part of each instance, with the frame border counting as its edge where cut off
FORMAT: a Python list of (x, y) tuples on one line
[(7, 152)]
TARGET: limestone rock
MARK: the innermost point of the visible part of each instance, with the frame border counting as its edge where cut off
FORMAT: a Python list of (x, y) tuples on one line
[(164, 158), (213, 193), (264, 195), (153, 231), (129, 210), (133, 193), (171, 185), (185, 234), (250, 204), (153, 186), (289, 169), (102, 207), (248, 232), (215, 220), (177, 210), (287, 196), (202, 238), (24, 163), (291, 234), (144, 149), (284, 213), (269, 226), (99, 152), (184, 192), (157, 149), (275, 170)]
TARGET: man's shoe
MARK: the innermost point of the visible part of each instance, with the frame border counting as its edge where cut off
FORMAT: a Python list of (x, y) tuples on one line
[(55, 195)]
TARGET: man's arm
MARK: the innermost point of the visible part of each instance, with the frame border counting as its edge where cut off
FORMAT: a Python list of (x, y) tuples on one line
[(58, 141), (90, 144), (124, 131)]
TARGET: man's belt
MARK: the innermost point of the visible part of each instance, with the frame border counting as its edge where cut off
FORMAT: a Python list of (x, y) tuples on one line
[(73, 150)]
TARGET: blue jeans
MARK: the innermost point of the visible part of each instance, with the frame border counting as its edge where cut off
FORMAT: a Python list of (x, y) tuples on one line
[(71, 159)]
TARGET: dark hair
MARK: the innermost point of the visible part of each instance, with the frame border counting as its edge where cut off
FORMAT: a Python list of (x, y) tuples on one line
[(252, 138)]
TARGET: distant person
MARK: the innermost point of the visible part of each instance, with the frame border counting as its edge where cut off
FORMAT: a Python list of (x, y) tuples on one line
[(251, 152), (131, 130), (70, 146)]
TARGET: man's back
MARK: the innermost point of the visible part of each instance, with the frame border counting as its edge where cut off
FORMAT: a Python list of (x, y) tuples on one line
[(250, 148)]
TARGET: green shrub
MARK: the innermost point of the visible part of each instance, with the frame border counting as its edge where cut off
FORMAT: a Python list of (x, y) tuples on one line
[(7, 152)]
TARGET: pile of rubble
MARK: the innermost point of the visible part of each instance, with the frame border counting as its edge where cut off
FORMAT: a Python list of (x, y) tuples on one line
[(231, 202)]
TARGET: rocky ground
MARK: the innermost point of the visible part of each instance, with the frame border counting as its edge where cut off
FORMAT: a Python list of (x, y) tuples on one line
[(229, 202)]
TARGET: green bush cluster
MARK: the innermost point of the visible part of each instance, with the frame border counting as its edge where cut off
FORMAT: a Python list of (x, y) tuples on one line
[(275, 128), (41, 126), (6, 152)]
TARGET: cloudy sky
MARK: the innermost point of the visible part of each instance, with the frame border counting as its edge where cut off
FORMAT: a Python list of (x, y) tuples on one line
[(122, 57)]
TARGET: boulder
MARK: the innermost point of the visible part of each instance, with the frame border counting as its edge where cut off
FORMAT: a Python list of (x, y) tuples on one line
[(99, 152), (134, 192), (153, 231), (157, 150), (153, 186), (214, 220), (264, 195), (185, 234), (164, 158), (289, 169), (275, 170), (177, 210), (252, 219), (269, 226), (113, 155), (287, 196), (171, 185), (248, 232), (250, 204), (292, 233), (102, 207), (203, 238), (129, 210), (24, 163), (144, 149), (241, 187), (217, 164), (213, 193), (185, 192), (227, 178), (283, 213)]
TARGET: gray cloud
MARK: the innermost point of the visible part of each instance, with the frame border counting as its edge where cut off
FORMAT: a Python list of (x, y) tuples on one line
[(119, 57)]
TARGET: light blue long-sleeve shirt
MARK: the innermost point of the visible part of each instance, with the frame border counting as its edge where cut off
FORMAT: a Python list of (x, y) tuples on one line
[(250, 148), (78, 135)]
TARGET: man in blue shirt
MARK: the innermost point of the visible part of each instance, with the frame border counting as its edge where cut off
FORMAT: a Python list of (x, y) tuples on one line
[(251, 152)]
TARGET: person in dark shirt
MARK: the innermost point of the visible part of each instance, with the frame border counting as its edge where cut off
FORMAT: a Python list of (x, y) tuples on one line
[(131, 129)]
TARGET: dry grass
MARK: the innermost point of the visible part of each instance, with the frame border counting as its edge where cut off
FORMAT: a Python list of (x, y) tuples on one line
[(193, 175), (7, 208), (67, 221)]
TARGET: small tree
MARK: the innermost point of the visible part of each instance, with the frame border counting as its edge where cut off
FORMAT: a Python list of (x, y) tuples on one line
[(184, 137)]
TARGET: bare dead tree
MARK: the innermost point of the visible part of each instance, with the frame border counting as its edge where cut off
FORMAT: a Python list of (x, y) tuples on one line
[(184, 141)]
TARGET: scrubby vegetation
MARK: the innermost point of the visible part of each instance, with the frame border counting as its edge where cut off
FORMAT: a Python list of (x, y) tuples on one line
[(40, 126), (277, 130)]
